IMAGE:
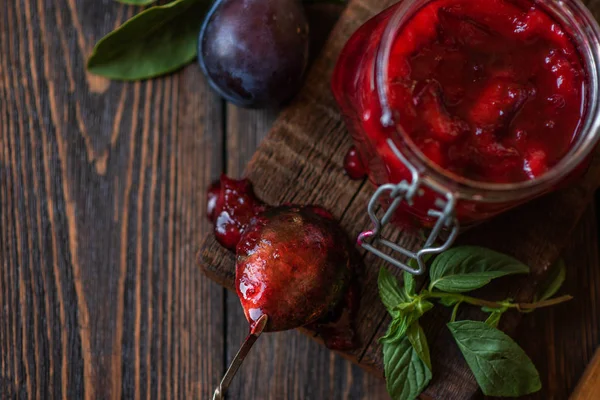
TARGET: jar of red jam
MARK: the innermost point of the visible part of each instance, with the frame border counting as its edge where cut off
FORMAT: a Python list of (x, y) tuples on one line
[(462, 109)]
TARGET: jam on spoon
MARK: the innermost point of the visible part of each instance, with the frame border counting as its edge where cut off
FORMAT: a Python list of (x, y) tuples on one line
[(295, 267)]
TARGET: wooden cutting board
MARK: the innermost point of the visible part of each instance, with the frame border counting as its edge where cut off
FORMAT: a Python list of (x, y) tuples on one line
[(301, 160)]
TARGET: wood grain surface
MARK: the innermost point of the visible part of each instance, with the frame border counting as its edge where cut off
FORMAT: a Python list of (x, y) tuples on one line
[(589, 386), (101, 215), (100, 191), (301, 161)]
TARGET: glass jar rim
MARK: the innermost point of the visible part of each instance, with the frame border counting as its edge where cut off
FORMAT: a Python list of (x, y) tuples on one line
[(588, 45)]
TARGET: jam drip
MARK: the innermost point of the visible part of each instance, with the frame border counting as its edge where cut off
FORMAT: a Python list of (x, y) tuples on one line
[(231, 207), (337, 328), (353, 165), (294, 263)]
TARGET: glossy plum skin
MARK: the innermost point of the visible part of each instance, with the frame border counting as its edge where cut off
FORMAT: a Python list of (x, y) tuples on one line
[(254, 52), (294, 265)]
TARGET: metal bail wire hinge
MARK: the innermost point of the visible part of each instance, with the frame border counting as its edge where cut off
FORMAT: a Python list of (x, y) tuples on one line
[(405, 191)]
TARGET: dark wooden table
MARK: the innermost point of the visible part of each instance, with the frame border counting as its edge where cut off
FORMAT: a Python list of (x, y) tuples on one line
[(101, 214)]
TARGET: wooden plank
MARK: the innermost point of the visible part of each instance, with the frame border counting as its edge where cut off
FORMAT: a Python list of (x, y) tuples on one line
[(301, 161), (561, 340), (287, 365), (589, 387), (101, 199)]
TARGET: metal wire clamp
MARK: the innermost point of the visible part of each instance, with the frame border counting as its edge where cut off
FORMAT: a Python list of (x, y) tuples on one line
[(405, 191)]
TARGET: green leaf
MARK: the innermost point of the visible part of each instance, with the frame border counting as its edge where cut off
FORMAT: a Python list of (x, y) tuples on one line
[(405, 307), (154, 42), (389, 291), (423, 306), (417, 305), (494, 319), (409, 283), (555, 280), (395, 331), (489, 309), (407, 315), (417, 338), (137, 2), (467, 268), (399, 326), (409, 279), (448, 301), (455, 311), (406, 374), (500, 366)]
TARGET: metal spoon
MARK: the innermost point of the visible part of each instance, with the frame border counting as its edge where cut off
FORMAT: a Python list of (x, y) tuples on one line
[(239, 357)]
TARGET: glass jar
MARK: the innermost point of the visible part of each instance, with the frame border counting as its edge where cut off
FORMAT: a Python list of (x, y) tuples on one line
[(415, 191)]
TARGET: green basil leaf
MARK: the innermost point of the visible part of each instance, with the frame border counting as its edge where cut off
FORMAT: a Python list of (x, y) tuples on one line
[(418, 307), (408, 314), (409, 279), (398, 327), (494, 319), (556, 278), (406, 374), (405, 307), (467, 268), (389, 291), (137, 2), (489, 309), (448, 301), (500, 366), (156, 41), (409, 283), (423, 306), (417, 339), (395, 331)]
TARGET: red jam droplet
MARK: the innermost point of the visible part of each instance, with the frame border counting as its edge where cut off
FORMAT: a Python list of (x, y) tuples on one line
[(490, 90), (235, 208), (353, 165), (211, 200)]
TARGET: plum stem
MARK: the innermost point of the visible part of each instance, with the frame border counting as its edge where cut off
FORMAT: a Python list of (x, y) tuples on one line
[(239, 358)]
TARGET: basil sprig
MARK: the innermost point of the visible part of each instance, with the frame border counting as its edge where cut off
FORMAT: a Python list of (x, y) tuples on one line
[(500, 366)]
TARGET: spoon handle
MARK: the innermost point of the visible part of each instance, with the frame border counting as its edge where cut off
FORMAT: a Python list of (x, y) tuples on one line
[(239, 357)]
